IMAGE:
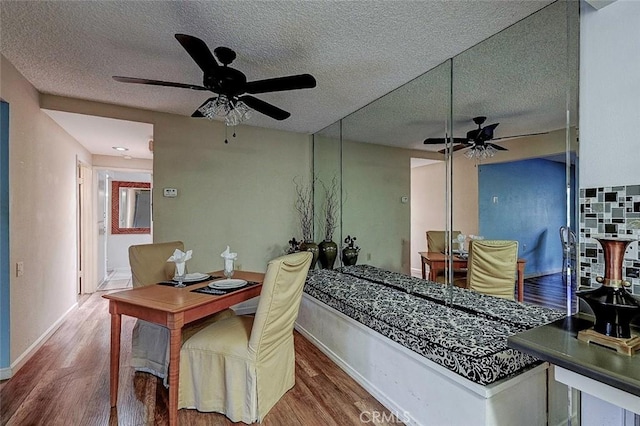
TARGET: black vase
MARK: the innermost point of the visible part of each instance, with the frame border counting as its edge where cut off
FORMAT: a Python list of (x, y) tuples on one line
[(349, 256), (313, 248), (328, 253)]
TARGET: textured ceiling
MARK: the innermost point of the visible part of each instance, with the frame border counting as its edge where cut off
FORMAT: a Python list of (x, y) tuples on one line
[(357, 50)]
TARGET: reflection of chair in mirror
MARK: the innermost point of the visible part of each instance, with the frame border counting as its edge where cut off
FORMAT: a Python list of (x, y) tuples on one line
[(568, 241), (241, 366), (436, 241), (492, 267), (150, 342)]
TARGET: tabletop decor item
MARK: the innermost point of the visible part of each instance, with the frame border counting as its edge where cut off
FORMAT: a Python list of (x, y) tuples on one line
[(229, 259), (180, 259), (304, 207), (294, 246), (613, 306), (350, 251), (328, 248)]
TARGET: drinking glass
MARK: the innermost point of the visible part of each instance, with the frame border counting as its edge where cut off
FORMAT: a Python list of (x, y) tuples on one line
[(228, 268), (181, 272)]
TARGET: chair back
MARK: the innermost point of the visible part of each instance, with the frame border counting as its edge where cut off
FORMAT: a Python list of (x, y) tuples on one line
[(568, 241), (149, 262), (279, 302), (436, 240), (492, 267)]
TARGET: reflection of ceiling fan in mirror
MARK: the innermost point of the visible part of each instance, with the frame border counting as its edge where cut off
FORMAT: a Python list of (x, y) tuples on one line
[(477, 140), (233, 100)]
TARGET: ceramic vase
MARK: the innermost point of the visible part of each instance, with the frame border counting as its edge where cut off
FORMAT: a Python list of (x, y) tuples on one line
[(313, 248), (328, 253), (349, 256)]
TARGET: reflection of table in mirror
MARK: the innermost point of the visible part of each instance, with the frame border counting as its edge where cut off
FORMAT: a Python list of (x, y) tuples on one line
[(437, 262), (173, 308)]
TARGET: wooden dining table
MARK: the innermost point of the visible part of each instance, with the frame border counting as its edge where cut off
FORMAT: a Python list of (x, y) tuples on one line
[(173, 308), (438, 262)]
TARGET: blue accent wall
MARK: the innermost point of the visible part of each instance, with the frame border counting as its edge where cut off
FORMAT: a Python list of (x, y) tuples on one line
[(5, 346), (525, 201)]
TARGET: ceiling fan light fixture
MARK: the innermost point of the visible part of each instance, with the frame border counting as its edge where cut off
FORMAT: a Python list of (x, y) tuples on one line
[(480, 152), (233, 113)]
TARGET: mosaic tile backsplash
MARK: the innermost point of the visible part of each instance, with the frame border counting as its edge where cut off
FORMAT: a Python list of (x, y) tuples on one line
[(609, 212)]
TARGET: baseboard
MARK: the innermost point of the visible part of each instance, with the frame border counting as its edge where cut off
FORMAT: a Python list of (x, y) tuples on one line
[(385, 400), (542, 274), (31, 350), (416, 273)]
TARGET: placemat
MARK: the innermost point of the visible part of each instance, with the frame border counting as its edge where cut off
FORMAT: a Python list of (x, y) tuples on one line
[(188, 283), (220, 292)]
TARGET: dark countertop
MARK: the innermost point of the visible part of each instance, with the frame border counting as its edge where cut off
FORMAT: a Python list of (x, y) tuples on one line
[(558, 344)]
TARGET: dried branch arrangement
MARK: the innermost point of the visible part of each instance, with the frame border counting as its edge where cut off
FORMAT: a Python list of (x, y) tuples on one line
[(330, 208), (304, 206)]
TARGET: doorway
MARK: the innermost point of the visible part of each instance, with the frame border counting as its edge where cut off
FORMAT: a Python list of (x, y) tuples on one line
[(113, 243), (5, 330)]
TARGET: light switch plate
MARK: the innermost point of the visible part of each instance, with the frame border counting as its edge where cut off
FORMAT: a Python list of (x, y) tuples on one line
[(170, 192)]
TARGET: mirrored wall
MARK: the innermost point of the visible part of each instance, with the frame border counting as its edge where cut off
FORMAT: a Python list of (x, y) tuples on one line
[(524, 80)]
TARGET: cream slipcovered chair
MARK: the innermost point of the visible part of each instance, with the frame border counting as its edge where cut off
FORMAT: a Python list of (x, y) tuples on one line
[(241, 366), (436, 243), (150, 342), (436, 240), (492, 267)]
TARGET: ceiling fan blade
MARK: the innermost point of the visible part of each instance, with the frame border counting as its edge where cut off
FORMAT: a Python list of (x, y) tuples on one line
[(455, 148), (156, 82), (292, 82), (442, 141), (486, 133), (264, 107), (520, 136), (435, 141), (199, 51), (498, 147)]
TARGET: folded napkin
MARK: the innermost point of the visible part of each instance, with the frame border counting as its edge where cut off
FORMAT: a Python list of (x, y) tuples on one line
[(228, 259), (179, 258)]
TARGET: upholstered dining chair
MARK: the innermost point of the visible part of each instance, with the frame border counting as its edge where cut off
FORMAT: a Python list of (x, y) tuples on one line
[(241, 366), (150, 342), (436, 242), (492, 267), (569, 248)]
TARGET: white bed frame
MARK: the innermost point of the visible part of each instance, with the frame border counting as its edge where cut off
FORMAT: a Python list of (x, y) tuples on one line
[(416, 390)]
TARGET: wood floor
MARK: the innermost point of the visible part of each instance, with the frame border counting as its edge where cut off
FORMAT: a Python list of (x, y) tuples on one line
[(549, 291), (67, 383)]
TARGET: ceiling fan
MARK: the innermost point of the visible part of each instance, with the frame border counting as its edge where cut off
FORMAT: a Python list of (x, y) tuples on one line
[(477, 139), (230, 85)]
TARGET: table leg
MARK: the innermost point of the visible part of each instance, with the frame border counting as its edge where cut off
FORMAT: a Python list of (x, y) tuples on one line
[(424, 271), (175, 343), (520, 282), (116, 320), (433, 272)]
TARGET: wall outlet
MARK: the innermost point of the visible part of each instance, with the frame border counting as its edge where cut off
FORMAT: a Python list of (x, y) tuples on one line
[(170, 192), (19, 269)]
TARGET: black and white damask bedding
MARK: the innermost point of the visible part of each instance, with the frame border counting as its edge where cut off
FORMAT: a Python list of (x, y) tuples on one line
[(467, 336)]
